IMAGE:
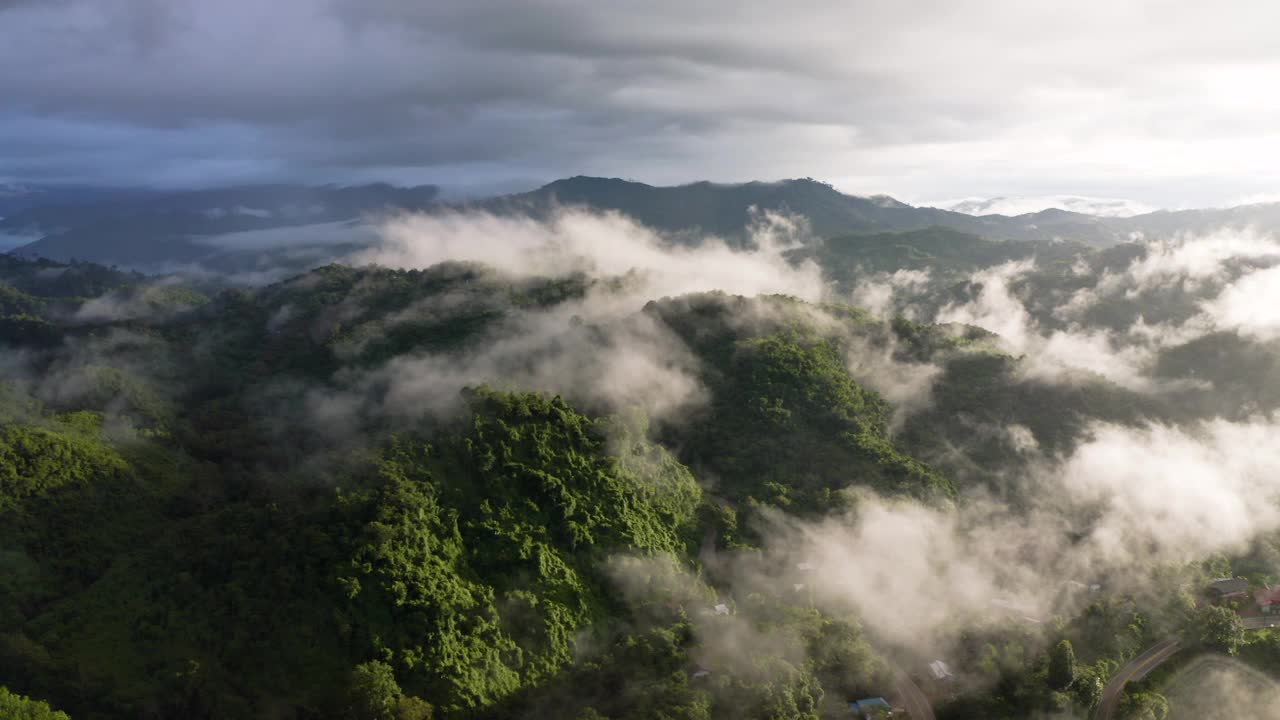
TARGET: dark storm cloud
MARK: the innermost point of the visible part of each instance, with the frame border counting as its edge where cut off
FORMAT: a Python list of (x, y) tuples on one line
[(927, 98)]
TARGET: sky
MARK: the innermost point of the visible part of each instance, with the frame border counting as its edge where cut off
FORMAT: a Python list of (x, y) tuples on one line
[(1168, 103)]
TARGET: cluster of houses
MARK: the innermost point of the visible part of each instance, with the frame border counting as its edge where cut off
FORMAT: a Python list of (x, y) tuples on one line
[(1238, 591)]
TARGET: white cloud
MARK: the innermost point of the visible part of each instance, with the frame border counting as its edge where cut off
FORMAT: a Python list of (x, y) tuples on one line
[(1149, 99), (1191, 259), (1125, 502), (599, 350), (1261, 198), (1228, 259), (309, 235), (601, 244), (1102, 207), (881, 293), (995, 308), (1250, 305)]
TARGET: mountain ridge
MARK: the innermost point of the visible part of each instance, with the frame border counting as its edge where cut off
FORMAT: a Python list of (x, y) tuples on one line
[(175, 229)]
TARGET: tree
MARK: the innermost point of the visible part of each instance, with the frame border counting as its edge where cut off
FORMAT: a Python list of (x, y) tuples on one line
[(374, 693), (1062, 665), (1144, 706), (1087, 688), (17, 707), (1218, 628)]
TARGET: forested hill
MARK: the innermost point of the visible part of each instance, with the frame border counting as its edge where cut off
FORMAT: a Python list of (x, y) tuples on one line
[(163, 229), (175, 546), (290, 228), (461, 493), (726, 210)]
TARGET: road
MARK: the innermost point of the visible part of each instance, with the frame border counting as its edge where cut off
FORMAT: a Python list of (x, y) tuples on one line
[(1135, 669), (1261, 623), (913, 700), (1141, 666)]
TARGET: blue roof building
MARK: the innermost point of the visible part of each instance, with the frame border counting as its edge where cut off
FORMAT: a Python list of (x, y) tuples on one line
[(871, 707)]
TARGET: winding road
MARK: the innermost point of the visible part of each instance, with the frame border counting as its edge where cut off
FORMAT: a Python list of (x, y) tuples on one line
[(913, 700), (1141, 666), (1135, 669)]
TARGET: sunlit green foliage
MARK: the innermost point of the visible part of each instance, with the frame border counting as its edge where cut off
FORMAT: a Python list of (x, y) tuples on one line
[(17, 707), (183, 534)]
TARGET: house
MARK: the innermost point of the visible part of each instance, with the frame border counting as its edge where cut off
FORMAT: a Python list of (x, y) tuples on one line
[(1268, 599), (1229, 588), (871, 708), (940, 670)]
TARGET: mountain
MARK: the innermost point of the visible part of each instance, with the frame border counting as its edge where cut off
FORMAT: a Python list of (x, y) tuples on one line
[(725, 209), (1101, 207), (264, 233), (462, 493), (19, 197), (157, 229), (1165, 223)]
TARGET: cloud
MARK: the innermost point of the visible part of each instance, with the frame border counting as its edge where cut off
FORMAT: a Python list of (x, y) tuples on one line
[(879, 97), (1102, 207), (1260, 198), (883, 293), (599, 350), (1227, 279), (1219, 686), (1177, 493), (603, 245), (908, 386), (631, 363), (293, 236), (9, 241), (1191, 285), (1051, 355), (995, 308), (1193, 259), (1250, 305), (1127, 501)]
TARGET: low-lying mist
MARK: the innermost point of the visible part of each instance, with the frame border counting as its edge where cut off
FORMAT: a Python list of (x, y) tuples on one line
[(578, 304), (1125, 501)]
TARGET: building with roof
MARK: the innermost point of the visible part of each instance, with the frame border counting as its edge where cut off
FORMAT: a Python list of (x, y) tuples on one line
[(1229, 588), (1268, 599), (871, 708)]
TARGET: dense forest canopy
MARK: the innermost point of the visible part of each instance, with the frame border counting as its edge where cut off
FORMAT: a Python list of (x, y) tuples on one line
[(607, 473)]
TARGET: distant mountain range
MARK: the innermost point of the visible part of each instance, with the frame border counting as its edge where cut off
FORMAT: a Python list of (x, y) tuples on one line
[(1021, 205), (148, 229), (154, 230), (724, 210)]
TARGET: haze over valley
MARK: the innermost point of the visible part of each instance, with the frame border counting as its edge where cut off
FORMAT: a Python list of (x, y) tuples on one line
[(353, 388)]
